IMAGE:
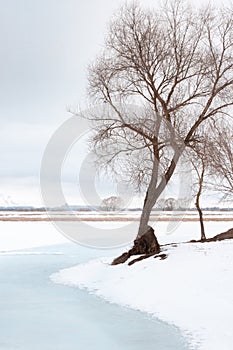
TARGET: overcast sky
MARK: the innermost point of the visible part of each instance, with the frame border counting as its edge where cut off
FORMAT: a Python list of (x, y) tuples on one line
[(46, 47)]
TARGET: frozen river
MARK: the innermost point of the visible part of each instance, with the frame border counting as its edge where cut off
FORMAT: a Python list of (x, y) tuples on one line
[(37, 314)]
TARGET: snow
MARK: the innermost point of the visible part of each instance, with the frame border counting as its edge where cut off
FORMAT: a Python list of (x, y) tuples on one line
[(192, 288), (23, 235), (22, 252)]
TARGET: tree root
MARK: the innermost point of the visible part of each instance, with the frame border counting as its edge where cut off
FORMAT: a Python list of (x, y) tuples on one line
[(147, 244), (220, 237), (161, 256)]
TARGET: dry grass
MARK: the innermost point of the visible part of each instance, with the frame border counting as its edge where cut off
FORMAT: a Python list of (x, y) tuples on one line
[(110, 218)]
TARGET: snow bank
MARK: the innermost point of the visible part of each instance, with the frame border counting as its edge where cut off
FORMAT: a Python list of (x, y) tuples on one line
[(25, 235), (192, 289)]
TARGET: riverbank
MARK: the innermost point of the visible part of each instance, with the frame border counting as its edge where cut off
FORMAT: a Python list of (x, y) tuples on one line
[(106, 216), (38, 314), (192, 288)]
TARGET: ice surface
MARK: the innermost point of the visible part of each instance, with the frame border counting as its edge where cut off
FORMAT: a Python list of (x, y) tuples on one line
[(39, 315)]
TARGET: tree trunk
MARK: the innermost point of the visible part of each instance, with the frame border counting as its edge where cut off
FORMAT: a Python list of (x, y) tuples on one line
[(154, 192), (201, 180), (147, 245), (145, 216), (203, 236), (146, 242)]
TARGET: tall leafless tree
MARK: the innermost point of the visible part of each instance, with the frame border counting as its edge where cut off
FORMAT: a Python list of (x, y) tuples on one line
[(212, 161), (176, 65), (221, 161), (201, 165)]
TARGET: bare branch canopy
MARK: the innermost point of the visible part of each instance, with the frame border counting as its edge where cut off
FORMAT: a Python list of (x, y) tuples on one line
[(162, 75)]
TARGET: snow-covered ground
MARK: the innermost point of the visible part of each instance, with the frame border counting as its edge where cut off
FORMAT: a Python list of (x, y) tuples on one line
[(23, 235), (192, 288)]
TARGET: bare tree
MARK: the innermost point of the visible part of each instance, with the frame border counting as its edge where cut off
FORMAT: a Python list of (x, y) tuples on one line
[(213, 165), (212, 161), (112, 203), (221, 161), (176, 64), (200, 163), (170, 204)]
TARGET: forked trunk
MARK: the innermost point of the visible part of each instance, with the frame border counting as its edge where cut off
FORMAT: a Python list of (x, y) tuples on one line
[(149, 202), (154, 192), (146, 242)]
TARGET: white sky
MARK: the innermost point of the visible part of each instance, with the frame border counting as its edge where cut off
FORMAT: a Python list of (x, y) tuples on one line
[(46, 46)]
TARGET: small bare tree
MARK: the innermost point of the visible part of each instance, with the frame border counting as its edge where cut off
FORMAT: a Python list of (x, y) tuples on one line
[(112, 203), (212, 161), (170, 204), (221, 161), (177, 65), (200, 163)]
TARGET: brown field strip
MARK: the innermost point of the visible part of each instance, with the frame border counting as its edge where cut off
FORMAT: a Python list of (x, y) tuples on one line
[(109, 219)]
